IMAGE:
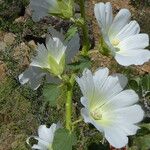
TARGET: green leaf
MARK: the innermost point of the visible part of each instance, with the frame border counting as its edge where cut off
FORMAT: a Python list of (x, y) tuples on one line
[(63, 140), (71, 32), (81, 64), (146, 82), (51, 93), (145, 125), (143, 142), (133, 84)]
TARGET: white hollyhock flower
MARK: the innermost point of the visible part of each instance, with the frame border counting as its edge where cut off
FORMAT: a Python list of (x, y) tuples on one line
[(45, 137), (108, 107), (50, 59), (122, 35), (42, 8)]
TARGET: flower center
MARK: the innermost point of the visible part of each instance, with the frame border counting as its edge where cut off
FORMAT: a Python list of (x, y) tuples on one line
[(97, 115), (115, 42)]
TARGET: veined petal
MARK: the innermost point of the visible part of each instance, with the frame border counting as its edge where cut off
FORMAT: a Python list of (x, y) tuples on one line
[(33, 76), (130, 29), (42, 8), (113, 85), (116, 137), (84, 102), (100, 77), (133, 57), (138, 41), (55, 48), (85, 115), (72, 47), (86, 84), (47, 134), (132, 114), (120, 20), (41, 60), (123, 99), (104, 16)]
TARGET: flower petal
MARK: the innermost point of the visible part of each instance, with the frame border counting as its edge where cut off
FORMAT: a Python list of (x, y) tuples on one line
[(85, 115), (131, 114), (123, 99), (47, 134), (113, 85), (42, 8), (138, 41), (130, 29), (133, 57), (38, 147), (84, 102), (120, 20), (116, 137), (33, 75), (41, 60), (86, 84), (72, 47), (55, 48), (104, 16), (100, 77)]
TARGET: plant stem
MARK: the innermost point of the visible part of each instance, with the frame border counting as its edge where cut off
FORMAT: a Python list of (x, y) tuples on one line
[(86, 44), (69, 102)]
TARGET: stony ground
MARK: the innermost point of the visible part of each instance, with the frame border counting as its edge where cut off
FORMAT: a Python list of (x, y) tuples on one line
[(21, 109)]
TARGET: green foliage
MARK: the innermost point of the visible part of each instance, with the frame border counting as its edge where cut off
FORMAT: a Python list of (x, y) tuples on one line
[(141, 85), (63, 140), (51, 93), (71, 32), (81, 64)]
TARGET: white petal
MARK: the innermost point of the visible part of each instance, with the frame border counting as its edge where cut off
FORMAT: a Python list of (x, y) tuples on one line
[(130, 29), (42, 8), (84, 102), (123, 99), (86, 84), (138, 41), (104, 16), (41, 60), (85, 115), (116, 137), (33, 76), (37, 147), (100, 77), (54, 33), (47, 134), (113, 85), (55, 48), (72, 47), (133, 57), (131, 114), (120, 20), (127, 128)]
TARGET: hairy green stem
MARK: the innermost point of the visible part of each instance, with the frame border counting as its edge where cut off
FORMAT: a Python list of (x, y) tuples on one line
[(69, 103), (86, 44)]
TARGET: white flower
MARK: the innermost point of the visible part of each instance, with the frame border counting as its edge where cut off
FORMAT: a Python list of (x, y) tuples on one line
[(108, 107), (42, 8), (50, 59), (46, 136), (122, 35)]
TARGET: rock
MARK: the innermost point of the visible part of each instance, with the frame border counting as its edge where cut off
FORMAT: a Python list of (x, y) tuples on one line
[(32, 44), (9, 38), (2, 46), (21, 54)]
